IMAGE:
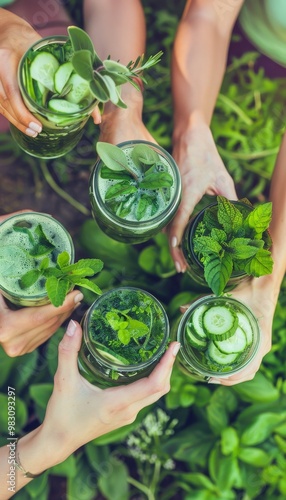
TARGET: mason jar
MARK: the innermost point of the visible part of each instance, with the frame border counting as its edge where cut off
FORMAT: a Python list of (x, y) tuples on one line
[(103, 359), (127, 229), (195, 268), (197, 362), (18, 237), (61, 131)]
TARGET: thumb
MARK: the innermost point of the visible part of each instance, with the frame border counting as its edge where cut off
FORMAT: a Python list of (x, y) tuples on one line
[(68, 351), (96, 116)]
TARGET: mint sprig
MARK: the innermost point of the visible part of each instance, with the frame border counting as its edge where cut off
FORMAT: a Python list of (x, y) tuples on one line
[(138, 181), (105, 77), (230, 239), (62, 277)]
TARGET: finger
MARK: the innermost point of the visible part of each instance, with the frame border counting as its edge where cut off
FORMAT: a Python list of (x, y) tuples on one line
[(96, 115), (225, 187), (68, 355), (31, 129), (149, 389)]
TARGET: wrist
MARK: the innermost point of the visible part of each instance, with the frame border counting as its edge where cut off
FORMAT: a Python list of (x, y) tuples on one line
[(184, 128)]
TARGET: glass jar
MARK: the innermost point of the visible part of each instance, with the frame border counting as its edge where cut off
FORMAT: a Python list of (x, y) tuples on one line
[(126, 229), (123, 312), (18, 237), (61, 131), (197, 362), (195, 268)]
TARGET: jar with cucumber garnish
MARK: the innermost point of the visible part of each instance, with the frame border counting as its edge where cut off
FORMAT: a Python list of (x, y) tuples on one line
[(219, 337)]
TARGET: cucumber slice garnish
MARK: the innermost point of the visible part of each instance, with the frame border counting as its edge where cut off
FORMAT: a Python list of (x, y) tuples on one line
[(245, 324), (200, 344), (79, 91), (43, 69), (63, 106), (219, 357), (219, 322), (62, 76), (235, 344), (197, 322), (110, 355)]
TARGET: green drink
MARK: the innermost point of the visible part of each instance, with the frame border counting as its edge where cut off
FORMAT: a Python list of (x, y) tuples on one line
[(26, 240), (133, 201), (63, 115), (125, 333), (219, 337)]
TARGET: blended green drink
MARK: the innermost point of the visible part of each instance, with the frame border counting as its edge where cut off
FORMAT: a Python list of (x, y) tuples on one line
[(135, 190), (28, 241), (125, 333)]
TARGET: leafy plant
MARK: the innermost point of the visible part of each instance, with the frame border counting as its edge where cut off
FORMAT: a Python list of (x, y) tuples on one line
[(230, 238), (138, 183), (61, 277), (105, 77)]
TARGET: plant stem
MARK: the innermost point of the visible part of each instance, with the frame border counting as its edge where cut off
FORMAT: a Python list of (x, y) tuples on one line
[(232, 105), (141, 487), (76, 204), (156, 475)]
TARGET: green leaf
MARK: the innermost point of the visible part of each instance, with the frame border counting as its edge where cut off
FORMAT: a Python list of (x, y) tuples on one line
[(261, 264), (228, 215), (137, 328), (67, 468), (259, 390), (44, 245), (254, 456), (63, 259), (217, 272), (115, 67), (82, 64), (41, 393), (99, 88), (218, 235), (229, 440), (157, 180), (242, 248), (142, 206), (44, 264), (29, 278), (80, 40), (113, 156), (260, 218), (95, 265), (57, 290), (261, 428), (206, 245), (108, 173), (120, 189), (142, 154), (124, 336), (113, 92), (88, 284), (113, 484)]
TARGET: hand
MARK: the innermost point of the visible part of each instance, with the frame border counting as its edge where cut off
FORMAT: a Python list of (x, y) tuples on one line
[(78, 411), (16, 36), (202, 172), (260, 295)]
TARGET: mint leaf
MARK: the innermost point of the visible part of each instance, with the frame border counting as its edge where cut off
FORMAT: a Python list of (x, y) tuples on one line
[(44, 264), (206, 245), (95, 265), (63, 259), (43, 246), (25, 230), (29, 278), (261, 264), (57, 290), (228, 215), (85, 283), (156, 181), (120, 189), (138, 328), (124, 336), (260, 218), (217, 272), (242, 248), (218, 235)]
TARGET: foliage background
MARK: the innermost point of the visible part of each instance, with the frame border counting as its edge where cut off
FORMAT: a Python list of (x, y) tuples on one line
[(199, 442)]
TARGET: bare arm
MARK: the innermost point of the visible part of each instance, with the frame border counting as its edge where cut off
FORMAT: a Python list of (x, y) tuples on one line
[(198, 65)]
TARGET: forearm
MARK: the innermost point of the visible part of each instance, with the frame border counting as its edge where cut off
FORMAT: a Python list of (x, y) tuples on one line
[(199, 60), (278, 224)]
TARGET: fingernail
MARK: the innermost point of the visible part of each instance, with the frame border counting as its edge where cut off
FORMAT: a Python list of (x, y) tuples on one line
[(174, 242), (78, 298), (71, 328), (185, 307), (34, 126), (176, 348), (178, 267), (31, 132), (213, 381)]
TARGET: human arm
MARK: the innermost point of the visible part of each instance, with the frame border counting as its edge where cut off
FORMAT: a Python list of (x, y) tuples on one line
[(79, 412), (118, 29), (198, 66), (261, 294)]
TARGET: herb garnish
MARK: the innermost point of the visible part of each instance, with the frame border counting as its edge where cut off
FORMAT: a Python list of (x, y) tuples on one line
[(138, 182), (232, 239)]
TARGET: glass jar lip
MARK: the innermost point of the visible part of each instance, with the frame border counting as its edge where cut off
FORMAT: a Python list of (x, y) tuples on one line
[(42, 110), (153, 222), (197, 218), (125, 368), (58, 223), (196, 364)]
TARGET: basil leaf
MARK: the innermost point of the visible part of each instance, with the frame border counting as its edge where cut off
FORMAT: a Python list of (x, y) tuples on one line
[(156, 181), (108, 173), (142, 206), (120, 189)]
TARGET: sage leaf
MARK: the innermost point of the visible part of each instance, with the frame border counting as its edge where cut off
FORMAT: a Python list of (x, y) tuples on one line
[(116, 67), (82, 64), (113, 92), (142, 154), (57, 290), (29, 278), (217, 272), (120, 189), (118, 78), (80, 40), (98, 88), (113, 157)]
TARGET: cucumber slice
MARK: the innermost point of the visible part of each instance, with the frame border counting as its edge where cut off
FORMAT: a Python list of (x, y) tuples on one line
[(245, 324), (63, 106), (235, 344), (197, 322), (80, 89), (219, 357), (219, 322), (41, 93), (62, 76), (200, 344), (43, 69), (110, 355)]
